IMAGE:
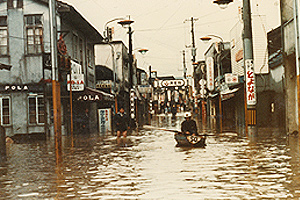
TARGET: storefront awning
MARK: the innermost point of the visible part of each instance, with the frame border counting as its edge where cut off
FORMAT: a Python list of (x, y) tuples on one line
[(227, 94), (93, 95)]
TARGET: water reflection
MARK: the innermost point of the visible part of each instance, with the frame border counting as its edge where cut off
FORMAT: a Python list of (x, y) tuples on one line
[(94, 167)]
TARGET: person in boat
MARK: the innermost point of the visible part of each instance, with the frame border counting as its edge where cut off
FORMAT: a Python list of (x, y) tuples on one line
[(189, 126), (122, 123)]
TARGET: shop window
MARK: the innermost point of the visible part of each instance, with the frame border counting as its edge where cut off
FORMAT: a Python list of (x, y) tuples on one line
[(36, 110), (5, 111), (34, 34)]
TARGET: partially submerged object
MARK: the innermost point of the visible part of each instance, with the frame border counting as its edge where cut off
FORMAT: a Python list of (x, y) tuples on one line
[(184, 140)]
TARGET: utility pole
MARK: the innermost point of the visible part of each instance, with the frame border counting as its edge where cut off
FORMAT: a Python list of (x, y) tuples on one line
[(130, 56), (184, 64), (185, 77), (193, 40), (297, 49), (193, 51), (55, 80), (250, 85)]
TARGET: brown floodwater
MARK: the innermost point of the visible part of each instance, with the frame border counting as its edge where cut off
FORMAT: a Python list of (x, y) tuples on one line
[(151, 167)]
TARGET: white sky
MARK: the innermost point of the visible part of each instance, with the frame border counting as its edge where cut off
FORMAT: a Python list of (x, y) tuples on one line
[(159, 26)]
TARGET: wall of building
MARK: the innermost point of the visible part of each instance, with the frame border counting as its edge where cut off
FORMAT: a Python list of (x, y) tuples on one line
[(26, 74), (26, 69), (289, 62)]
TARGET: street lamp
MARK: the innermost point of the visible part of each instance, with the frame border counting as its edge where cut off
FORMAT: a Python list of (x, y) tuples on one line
[(143, 51), (106, 29), (107, 40), (126, 24), (209, 37), (223, 3)]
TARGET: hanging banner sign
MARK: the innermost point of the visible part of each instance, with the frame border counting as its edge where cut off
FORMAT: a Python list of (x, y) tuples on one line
[(145, 89), (250, 83), (210, 73), (173, 83)]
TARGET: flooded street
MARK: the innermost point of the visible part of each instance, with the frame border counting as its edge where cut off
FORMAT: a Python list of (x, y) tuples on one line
[(151, 167)]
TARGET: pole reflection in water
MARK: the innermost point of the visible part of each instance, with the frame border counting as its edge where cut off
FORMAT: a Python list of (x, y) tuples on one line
[(59, 161), (262, 167)]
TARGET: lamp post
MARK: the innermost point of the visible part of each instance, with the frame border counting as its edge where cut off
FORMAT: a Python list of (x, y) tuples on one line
[(250, 86), (107, 40), (126, 24), (219, 50), (148, 106)]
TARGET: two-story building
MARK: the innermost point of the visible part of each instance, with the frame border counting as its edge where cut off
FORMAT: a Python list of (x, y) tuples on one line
[(25, 90)]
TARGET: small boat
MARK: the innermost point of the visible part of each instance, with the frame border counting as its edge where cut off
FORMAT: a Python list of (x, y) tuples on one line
[(184, 140)]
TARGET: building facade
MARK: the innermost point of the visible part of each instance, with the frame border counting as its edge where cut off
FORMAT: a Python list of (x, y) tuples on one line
[(26, 101), (289, 62)]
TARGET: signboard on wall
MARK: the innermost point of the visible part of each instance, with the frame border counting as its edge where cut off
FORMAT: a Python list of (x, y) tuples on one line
[(104, 120), (103, 84), (76, 79), (145, 89), (231, 78)]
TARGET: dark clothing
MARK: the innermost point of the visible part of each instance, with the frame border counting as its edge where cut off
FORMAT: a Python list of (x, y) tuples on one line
[(189, 125), (121, 121), (174, 110), (85, 122)]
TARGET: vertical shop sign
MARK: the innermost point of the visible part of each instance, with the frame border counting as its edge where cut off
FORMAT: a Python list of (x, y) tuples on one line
[(250, 83), (210, 73), (104, 120)]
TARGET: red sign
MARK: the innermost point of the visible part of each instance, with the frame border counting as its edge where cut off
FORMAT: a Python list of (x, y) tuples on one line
[(250, 83)]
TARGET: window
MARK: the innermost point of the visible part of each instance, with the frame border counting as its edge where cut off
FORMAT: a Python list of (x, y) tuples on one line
[(5, 111), (36, 111), (89, 57), (34, 34), (3, 36), (10, 4), (75, 47), (80, 51)]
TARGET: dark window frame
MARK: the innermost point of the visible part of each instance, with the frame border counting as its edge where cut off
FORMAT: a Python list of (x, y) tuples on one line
[(34, 34)]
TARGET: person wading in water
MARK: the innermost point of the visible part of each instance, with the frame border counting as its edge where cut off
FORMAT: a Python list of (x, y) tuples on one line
[(122, 124)]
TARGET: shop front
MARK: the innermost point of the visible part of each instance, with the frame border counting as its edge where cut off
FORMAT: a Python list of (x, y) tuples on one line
[(87, 110)]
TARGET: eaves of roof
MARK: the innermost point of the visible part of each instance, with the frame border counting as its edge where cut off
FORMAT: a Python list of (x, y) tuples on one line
[(70, 15)]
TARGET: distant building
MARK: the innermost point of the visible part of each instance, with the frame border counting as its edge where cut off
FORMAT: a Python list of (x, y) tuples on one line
[(103, 53)]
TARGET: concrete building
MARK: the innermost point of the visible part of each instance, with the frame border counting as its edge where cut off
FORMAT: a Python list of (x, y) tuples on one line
[(103, 54), (25, 91), (289, 62)]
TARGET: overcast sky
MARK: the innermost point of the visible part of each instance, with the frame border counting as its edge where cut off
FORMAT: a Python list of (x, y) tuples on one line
[(159, 26)]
